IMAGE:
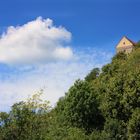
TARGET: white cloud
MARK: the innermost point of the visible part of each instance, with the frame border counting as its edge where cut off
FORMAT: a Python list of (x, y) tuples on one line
[(56, 77), (38, 41)]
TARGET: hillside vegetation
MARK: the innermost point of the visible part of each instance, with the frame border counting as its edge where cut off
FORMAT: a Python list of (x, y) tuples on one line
[(103, 106)]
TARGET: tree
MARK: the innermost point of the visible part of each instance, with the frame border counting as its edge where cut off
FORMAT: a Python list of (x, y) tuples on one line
[(134, 125), (27, 120), (114, 129), (93, 75), (81, 107)]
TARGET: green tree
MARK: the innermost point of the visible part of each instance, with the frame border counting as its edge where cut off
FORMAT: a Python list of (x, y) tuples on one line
[(26, 120), (80, 108), (134, 125), (93, 75)]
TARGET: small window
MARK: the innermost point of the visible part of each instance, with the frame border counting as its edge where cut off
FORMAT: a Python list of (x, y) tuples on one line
[(123, 43)]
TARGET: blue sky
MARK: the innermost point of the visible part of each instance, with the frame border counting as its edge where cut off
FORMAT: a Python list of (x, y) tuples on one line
[(86, 32), (90, 21)]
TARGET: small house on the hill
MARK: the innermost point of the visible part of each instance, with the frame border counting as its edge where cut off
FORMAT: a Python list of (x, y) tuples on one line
[(125, 45)]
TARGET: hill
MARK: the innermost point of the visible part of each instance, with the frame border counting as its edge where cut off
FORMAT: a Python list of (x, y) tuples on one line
[(105, 105)]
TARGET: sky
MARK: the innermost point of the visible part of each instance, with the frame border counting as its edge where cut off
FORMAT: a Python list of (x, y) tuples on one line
[(48, 44)]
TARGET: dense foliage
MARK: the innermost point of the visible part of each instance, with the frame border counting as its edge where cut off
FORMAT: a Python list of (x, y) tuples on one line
[(103, 106)]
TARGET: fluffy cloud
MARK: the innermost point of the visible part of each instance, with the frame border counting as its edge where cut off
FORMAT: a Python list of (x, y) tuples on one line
[(38, 41)]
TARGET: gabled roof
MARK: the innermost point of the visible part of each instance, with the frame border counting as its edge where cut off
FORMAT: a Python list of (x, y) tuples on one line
[(130, 40), (126, 38)]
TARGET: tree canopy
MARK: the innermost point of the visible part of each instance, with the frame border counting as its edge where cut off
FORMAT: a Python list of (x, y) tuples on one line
[(104, 105)]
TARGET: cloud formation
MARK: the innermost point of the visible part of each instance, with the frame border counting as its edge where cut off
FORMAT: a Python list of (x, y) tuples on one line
[(56, 77), (38, 41)]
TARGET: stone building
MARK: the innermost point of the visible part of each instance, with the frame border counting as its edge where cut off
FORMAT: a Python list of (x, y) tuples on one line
[(125, 45)]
